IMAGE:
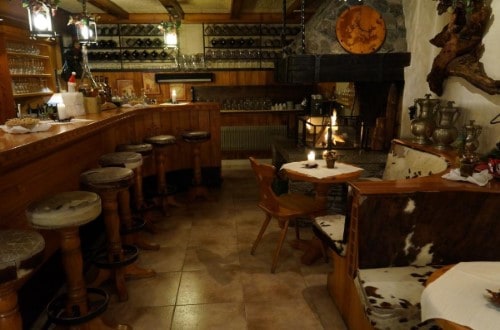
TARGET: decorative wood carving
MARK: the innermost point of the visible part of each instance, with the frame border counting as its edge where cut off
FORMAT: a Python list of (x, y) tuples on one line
[(461, 46)]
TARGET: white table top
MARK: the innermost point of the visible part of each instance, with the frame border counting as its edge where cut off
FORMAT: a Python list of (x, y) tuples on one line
[(460, 296)]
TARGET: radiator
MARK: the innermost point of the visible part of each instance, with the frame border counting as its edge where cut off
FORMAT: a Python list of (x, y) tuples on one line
[(241, 138)]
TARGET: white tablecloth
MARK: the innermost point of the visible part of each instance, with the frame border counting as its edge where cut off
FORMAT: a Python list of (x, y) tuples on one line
[(459, 295), (321, 171)]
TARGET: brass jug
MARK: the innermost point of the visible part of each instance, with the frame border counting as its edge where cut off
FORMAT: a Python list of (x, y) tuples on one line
[(446, 133), (423, 126)]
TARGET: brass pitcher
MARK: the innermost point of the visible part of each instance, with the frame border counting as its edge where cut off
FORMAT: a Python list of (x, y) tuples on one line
[(423, 126), (446, 132)]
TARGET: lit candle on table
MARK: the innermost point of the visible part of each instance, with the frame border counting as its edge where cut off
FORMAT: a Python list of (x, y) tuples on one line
[(311, 158), (174, 96)]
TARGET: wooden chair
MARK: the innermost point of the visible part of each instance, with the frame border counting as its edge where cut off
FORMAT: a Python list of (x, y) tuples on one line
[(284, 207)]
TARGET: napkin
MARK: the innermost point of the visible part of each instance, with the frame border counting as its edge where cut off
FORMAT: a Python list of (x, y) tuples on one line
[(480, 178)]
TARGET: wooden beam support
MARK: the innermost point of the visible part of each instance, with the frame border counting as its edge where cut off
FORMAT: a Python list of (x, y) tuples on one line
[(173, 8), (110, 8), (236, 6)]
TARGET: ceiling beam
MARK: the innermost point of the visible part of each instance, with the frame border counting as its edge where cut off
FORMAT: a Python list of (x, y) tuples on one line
[(173, 8), (110, 7), (236, 6)]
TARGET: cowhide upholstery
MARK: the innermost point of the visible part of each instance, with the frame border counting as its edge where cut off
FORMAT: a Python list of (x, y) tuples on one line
[(330, 229), (406, 163), (391, 296)]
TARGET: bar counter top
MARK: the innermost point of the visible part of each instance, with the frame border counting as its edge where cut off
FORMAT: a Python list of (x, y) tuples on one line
[(17, 149)]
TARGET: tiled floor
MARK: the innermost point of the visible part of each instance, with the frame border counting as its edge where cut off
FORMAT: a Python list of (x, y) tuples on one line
[(207, 279)]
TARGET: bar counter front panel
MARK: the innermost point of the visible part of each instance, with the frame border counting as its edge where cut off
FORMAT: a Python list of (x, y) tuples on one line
[(35, 165)]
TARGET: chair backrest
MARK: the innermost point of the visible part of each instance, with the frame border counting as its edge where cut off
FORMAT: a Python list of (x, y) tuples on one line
[(265, 174)]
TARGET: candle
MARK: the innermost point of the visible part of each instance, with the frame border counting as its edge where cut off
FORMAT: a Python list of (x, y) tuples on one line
[(61, 111), (311, 157), (174, 96)]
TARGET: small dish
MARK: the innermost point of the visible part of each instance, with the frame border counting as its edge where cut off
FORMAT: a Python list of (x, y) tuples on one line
[(306, 165)]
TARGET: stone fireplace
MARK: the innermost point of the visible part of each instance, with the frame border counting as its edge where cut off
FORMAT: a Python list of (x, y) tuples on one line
[(317, 57)]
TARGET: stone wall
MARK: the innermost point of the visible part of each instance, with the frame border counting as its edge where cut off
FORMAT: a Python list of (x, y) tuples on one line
[(320, 36)]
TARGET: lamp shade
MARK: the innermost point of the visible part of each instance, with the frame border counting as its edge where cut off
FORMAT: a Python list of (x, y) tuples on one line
[(86, 30), (170, 38), (40, 20)]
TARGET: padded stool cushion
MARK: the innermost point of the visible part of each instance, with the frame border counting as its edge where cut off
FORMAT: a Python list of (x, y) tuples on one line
[(20, 252), (107, 178), (126, 159), (67, 209), (160, 140), (196, 136), (142, 148)]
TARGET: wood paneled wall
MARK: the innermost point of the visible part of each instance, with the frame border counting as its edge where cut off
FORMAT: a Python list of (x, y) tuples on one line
[(222, 78)]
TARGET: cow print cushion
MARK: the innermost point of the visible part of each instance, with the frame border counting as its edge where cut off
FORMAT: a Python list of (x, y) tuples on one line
[(391, 296), (330, 229)]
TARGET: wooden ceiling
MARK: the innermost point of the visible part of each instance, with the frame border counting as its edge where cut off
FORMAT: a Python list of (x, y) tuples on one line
[(194, 11)]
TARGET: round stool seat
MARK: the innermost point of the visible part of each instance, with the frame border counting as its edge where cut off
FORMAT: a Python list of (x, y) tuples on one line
[(141, 148), (126, 159), (20, 252), (161, 140), (196, 136), (107, 178), (67, 209)]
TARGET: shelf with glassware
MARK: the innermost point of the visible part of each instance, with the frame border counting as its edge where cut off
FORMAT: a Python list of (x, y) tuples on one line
[(129, 46), (245, 45), (30, 68)]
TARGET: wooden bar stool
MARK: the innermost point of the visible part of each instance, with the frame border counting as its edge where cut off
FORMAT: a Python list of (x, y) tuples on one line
[(140, 204), (66, 212), (197, 138), (146, 151), (21, 251), (130, 225), (161, 143), (117, 263)]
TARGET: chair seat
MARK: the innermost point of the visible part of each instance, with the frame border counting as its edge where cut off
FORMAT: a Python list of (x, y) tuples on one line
[(196, 136), (161, 140), (107, 178), (67, 209), (20, 252), (391, 296), (293, 205), (142, 148), (126, 159)]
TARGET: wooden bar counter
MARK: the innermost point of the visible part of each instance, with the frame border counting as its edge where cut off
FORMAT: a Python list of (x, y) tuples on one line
[(35, 165)]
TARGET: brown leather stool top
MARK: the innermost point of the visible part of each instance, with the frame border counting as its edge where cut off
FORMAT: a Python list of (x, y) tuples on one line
[(161, 140), (196, 136), (125, 159), (142, 148)]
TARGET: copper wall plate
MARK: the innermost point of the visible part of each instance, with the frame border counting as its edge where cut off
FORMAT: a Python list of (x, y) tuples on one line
[(360, 30)]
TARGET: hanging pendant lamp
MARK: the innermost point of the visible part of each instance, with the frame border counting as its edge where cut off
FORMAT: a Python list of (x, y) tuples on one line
[(86, 27), (40, 20)]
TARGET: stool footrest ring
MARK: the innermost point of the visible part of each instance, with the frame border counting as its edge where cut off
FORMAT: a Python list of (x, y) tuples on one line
[(130, 255), (97, 303), (137, 225)]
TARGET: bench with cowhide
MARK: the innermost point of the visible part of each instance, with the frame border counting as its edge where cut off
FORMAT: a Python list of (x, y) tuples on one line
[(398, 231)]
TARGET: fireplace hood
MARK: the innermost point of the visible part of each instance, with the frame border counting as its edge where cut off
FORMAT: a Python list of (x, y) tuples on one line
[(377, 67)]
